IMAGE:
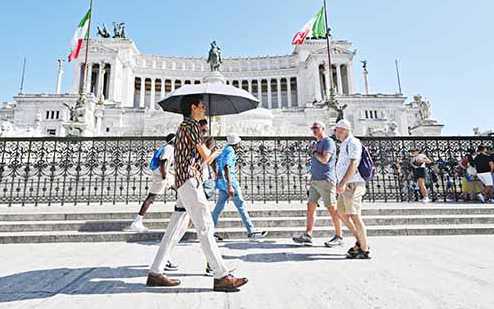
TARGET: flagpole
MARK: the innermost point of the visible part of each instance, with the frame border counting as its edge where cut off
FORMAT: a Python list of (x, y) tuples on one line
[(328, 46), (398, 76), (87, 47), (21, 88)]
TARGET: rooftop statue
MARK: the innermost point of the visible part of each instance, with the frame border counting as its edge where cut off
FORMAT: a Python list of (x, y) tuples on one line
[(214, 58)]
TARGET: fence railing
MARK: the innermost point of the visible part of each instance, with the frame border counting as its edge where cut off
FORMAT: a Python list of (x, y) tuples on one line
[(115, 169)]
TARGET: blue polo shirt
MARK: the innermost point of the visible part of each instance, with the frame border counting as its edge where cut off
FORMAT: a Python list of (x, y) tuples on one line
[(226, 158), (324, 171)]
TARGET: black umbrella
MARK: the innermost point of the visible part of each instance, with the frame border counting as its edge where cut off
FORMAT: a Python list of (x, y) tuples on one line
[(219, 98)]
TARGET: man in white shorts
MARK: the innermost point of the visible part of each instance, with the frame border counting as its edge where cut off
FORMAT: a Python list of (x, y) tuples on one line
[(162, 178)]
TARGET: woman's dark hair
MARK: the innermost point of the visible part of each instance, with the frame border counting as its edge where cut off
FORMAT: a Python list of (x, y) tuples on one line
[(187, 102), (203, 122), (481, 148)]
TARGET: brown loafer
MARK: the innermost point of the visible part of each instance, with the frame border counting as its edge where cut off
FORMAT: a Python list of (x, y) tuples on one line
[(228, 284), (161, 280)]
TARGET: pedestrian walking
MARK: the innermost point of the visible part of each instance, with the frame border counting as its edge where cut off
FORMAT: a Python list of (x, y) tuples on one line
[(351, 188), (229, 188), (322, 186), (190, 153), (162, 178)]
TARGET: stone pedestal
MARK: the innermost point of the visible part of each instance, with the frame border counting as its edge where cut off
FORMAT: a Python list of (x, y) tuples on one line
[(214, 77), (427, 128)]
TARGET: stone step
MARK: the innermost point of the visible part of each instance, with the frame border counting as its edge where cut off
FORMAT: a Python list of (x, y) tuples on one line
[(239, 233), (259, 222), (91, 213)]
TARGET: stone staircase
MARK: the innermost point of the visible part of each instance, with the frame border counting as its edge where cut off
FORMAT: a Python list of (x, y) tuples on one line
[(96, 224)]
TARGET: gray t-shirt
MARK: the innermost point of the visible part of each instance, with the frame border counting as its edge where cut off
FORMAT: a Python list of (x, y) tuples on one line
[(320, 171)]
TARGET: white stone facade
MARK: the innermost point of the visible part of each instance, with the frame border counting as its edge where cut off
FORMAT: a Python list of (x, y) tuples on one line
[(127, 85)]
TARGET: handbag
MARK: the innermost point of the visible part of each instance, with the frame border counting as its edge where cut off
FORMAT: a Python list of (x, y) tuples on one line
[(209, 186)]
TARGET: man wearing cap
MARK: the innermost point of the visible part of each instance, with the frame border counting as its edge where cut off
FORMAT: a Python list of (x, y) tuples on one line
[(351, 188), (229, 188), (322, 185)]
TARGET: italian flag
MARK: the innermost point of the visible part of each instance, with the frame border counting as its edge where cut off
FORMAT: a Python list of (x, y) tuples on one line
[(314, 29), (81, 33)]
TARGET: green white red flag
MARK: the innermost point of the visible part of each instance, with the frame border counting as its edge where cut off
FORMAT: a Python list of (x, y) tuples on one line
[(315, 28), (81, 34)]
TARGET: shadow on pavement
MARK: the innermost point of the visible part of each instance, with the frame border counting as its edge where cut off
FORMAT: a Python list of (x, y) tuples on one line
[(40, 284), (285, 257), (256, 245)]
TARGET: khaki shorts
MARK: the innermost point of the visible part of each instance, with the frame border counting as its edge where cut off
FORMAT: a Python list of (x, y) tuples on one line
[(325, 189), (350, 201)]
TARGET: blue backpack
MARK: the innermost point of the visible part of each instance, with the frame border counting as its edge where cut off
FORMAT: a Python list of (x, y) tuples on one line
[(155, 161), (366, 167)]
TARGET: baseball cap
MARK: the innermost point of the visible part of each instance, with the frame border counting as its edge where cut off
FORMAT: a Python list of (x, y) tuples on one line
[(318, 124), (343, 124), (233, 139)]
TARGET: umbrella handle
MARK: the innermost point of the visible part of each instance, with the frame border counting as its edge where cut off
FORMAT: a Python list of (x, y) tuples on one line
[(209, 115)]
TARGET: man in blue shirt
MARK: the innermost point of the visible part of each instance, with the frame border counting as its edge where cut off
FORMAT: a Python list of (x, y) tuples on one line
[(322, 185), (229, 188)]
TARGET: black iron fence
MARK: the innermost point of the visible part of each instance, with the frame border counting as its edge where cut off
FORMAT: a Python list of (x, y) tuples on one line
[(115, 170)]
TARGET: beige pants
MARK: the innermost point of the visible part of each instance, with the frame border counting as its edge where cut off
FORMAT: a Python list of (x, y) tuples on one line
[(191, 196)]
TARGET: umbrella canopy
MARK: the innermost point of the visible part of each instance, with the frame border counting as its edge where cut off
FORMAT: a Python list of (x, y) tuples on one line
[(220, 99)]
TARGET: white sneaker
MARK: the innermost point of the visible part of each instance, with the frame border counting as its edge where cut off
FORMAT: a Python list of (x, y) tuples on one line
[(425, 200), (138, 227), (481, 198)]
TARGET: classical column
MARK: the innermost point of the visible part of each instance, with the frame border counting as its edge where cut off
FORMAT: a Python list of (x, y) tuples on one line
[(338, 76), (59, 76), (327, 81), (259, 92), (99, 87), (143, 90), (317, 83), (278, 80), (153, 94), (88, 77), (349, 74), (172, 81), (270, 98), (289, 90), (250, 85), (162, 94), (112, 85)]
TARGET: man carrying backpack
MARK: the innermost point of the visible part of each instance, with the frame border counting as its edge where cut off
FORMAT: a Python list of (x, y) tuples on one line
[(161, 178), (351, 187)]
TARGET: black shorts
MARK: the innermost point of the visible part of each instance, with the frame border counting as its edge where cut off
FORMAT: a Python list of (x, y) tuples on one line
[(419, 172)]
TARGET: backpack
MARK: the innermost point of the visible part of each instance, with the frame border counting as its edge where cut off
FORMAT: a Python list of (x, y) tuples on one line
[(366, 167), (155, 160)]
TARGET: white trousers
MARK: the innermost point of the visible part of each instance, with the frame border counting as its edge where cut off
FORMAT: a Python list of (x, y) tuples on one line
[(191, 196)]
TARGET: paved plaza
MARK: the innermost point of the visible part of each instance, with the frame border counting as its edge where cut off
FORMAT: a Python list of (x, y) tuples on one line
[(405, 272)]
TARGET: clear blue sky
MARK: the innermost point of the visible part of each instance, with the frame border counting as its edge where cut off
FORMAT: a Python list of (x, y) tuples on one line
[(444, 47)]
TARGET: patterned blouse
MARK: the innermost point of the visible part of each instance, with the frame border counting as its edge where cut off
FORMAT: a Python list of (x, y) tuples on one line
[(187, 158)]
